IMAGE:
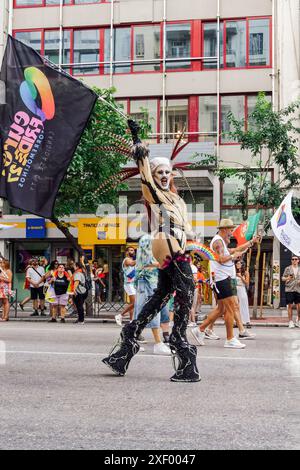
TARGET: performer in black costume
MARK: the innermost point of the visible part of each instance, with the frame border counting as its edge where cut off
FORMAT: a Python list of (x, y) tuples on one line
[(169, 241)]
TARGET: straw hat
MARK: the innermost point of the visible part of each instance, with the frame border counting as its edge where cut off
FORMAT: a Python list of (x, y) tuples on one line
[(226, 223)]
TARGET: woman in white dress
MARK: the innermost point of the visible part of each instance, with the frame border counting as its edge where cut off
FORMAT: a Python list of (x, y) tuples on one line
[(242, 285)]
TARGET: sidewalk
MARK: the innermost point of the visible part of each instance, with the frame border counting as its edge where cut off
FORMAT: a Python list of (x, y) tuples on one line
[(271, 317)]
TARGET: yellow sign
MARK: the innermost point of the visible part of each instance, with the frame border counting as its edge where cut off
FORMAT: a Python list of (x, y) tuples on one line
[(108, 230)]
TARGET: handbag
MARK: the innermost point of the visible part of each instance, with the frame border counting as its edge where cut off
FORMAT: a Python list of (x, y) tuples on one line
[(50, 295)]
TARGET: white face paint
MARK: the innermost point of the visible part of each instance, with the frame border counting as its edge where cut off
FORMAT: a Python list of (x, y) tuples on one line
[(162, 176)]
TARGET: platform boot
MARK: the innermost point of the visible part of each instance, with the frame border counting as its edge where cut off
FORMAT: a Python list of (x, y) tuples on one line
[(122, 353)]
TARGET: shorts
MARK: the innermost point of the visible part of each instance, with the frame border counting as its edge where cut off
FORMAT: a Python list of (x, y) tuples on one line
[(37, 293), (226, 288), (292, 298), (130, 289), (61, 300)]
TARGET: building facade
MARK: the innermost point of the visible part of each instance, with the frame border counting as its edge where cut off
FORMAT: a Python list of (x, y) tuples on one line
[(186, 63)]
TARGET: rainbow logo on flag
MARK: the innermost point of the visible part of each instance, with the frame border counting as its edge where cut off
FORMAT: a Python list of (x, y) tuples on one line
[(203, 251)]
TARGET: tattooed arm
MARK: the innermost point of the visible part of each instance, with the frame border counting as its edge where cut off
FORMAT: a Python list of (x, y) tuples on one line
[(218, 247)]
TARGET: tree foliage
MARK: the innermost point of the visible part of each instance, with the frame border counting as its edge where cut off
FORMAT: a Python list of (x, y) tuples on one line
[(272, 139)]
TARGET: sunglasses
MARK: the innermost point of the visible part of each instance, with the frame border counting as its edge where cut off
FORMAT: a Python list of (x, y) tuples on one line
[(295, 259)]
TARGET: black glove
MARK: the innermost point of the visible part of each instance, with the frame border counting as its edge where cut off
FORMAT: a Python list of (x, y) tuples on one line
[(134, 129)]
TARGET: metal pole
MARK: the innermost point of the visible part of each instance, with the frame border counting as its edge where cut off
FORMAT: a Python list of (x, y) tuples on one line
[(164, 70), (273, 53), (111, 44), (218, 79), (10, 16), (60, 58), (113, 107)]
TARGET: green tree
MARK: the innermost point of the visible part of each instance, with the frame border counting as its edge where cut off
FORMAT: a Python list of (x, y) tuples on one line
[(93, 163)]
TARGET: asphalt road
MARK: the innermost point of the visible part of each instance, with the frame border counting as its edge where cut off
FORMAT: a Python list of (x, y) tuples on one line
[(56, 394)]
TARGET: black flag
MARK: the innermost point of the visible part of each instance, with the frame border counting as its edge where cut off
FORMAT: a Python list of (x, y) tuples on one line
[(44, 116)]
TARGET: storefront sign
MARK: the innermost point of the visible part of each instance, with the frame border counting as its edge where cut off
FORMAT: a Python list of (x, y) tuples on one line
[(108, 230), (35, 228)]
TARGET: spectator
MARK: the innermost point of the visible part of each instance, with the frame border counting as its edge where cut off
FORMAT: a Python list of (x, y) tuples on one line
[(128, 267), (291, 277), (47, 278), (146, 282), (60, 282), (35, 275), (80, 291), (5, 287), (26, 287), (100, 281)]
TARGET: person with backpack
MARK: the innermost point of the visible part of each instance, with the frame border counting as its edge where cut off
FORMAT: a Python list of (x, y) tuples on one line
[(80, 291)]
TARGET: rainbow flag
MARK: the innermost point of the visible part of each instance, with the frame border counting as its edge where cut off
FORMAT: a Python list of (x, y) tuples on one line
[(203, 251)]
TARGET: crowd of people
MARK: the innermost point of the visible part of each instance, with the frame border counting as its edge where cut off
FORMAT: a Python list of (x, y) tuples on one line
[(63, 286)]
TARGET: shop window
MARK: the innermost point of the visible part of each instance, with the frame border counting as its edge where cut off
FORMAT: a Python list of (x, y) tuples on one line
[(31, 38), (259, 42), (204, 198), (208, 118), (176, 115), (178, 44), (86, 50), (121, 50), (147, 47), (235, 44)]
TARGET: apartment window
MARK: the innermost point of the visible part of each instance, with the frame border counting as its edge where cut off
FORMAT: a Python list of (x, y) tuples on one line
[(235, 105), (176, 115), (86, 50), (145, 110), (147, 47), (51, 46), (57, 2), (235, 44), (259, 42), (29, 3), (210, 45), (121, 50), (31, 38), (178, 44), (208, 118), (247, 43)]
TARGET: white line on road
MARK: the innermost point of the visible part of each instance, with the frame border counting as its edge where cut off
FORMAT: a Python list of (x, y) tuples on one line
[(229, 358)]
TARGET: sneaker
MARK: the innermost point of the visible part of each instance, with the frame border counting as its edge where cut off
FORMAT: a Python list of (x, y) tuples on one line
[(141, 340), (21, 307), (297, 323), (79, 322), (234, 343), (118, 319), (210, 334), (198, 336), (35, 314), (52, 320), (62, 320), (291, 324), (161, 349), (191, 324), (141, 349), (246, 335)]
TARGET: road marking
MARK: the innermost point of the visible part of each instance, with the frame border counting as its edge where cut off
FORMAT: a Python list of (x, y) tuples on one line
[(61, 353)]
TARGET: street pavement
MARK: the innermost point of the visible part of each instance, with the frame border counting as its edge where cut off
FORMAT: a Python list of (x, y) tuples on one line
[(56, 394)]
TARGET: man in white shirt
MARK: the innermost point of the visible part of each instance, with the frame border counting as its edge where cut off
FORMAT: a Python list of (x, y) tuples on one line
[(35, 274), (224, 277)]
